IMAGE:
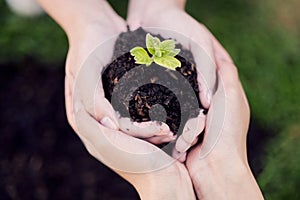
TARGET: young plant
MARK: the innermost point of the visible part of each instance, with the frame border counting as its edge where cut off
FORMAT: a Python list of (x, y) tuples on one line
[(162, 53)]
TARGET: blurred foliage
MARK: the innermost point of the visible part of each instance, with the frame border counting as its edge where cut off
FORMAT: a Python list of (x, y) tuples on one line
[(22, 38), (263, 39), (281, 176)]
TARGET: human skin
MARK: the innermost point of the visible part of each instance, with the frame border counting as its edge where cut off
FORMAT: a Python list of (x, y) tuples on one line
[(88, 24), (170, 15), (221, 171), (83, 22), (224, 172)]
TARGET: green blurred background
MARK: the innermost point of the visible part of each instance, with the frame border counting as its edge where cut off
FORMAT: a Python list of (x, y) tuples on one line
[(261, 36)]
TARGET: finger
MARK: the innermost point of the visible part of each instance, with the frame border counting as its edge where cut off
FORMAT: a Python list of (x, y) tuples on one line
[(228, 73), (161, 139), (195, 141), (143, 129), (234, 91), (181, 157), (89, 85), (205, 93), (219, 51), (134, 23), (116, 149), (69, 103), (203, 53), (191, 130), (222, 107), (103, 110)]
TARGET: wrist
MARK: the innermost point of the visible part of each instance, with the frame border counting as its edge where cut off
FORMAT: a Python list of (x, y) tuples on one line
[(171, 183), (74, 15), (84, 17), (225, 179), (144, 4), (139, 9)]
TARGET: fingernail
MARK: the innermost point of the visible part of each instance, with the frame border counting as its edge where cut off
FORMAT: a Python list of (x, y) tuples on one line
[(108, 123)]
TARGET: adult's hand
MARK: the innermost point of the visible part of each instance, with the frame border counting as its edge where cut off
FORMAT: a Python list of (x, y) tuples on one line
[(89, 24), (170, 14), (218, 167)]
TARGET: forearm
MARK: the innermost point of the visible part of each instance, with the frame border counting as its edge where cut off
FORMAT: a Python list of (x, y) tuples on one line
[(233, 180), (73, 15), (143, 7)]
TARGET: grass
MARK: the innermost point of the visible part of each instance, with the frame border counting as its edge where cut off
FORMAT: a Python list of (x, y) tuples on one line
[(263, 39)]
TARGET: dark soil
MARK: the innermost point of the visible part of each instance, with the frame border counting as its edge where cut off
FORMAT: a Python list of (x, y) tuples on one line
[(123, 88)]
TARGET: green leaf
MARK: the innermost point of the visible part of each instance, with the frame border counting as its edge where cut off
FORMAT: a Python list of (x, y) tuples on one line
[(152, 43), (158, 52), (167, 62), (156, 42), (167, 45), (173, 52), (141, 56)]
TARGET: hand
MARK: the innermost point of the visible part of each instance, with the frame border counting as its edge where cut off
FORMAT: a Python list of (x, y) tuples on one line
[(218, 167), (96, 28), (150, 170), (87, 25), (83, 40), (169, 14)]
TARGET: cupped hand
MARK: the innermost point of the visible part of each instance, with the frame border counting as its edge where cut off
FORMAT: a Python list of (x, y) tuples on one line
[(170, 15), (218, 166), (100, 30), (82, 41), (148, 168)]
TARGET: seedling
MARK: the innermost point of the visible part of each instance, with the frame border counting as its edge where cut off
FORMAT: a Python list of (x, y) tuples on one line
[(162, 53)]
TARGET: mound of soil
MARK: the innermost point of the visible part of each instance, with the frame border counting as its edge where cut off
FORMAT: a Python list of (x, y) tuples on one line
[(162, 86)]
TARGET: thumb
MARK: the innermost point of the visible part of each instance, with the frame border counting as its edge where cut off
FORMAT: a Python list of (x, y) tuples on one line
[(191, 131), (117, 150)]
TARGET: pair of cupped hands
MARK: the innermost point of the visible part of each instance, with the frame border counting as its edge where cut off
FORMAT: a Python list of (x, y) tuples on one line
[(223, 148)]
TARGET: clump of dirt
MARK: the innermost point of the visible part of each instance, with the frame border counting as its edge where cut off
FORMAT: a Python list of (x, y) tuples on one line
[(162, 86)]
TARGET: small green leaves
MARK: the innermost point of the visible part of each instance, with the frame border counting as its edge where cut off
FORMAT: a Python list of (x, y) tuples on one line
[(151, 43), (167, 45), (141, 56), (167, 62), (163, 53), (173, 52)]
